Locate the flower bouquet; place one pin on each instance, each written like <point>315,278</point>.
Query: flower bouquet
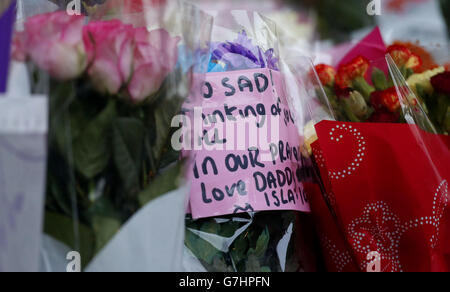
<point>355,96</point>
<point>246,201</point>
<point>380,190</point>
<point>429,82</point>
<point>113,90</point>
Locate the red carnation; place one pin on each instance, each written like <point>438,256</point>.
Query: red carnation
<point>348,72</point>
<point>403,57</point>
<point>326,73</point>
<point>387,99</point>
<point>441,83</point>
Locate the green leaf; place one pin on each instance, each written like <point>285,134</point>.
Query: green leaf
<point>229,229</point>
<point>92,149</point>
<point>162,184</point>
<point>349,113</point>
<point>379,79</point>
<point>261,244</point>
<point>446,124</point>
<point>57,199</point>
<point>360,84</point>
<point>62,96</point>
<point>239,250</point>
<point>128,138</point>
<point>72,233</point>
<point>104,228</point>
<point>443,102</point>
<point>164,113</point>
<point>210,227</point>
<point>202,249</point>
<point>220,266</point>
<point>253,264</point>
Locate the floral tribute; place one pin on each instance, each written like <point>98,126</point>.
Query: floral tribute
<point>357,96</point>
<point>247,241</point>
<point>380,195</point>
<point>110,112</point>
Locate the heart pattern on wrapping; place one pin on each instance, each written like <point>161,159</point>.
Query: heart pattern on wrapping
<point>379,229</point>
<point>338,134</point>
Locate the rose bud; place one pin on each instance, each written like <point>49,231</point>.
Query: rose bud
<point>326,74</point>
<point>441,83</point>
<point>109,47</point>
<point>155,56</point>
<point>54,43</point>
<point>355,106</point>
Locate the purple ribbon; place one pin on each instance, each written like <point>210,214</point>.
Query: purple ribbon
<point>6,29</point>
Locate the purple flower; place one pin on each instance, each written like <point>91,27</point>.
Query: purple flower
<point>271,60</point>
<point>241,54</point>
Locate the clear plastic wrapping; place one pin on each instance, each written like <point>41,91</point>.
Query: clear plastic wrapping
<point>249,229</point>
<point>115,81</point>
<point>23,154</point>
<point>379,192</point>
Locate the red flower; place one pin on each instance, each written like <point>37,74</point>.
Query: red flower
<point>343,92</point>
<point>384,116</point>
<point>441,83</point>
<point>326,73</point>
<point>387,99</point>
<point>348,72</point>
<point>403,57</point>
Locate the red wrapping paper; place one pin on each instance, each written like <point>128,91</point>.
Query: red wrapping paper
<point>385,190</point>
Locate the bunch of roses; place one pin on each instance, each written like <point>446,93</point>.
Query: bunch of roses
<point>354,99</point>
<point>116,57</point>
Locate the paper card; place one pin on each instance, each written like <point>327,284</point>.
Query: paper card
<point>248,146</point>
<point>23,148</point>
<point>7,18</point>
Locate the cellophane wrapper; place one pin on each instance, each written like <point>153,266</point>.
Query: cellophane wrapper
<point>23,154</point>
<point>379,190</point>
<point>114,182</point>
<point>231,233</point>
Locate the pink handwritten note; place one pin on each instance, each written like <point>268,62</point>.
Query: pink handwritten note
<point>246,156</point>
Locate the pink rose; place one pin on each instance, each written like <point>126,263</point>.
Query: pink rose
<point>109,47</point>
<point>155,56</point>
<point>54,42</point>
<point>122,57</point>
